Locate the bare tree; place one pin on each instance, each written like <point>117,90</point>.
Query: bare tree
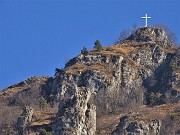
<point>170,34</point>
<point>124,34</point>
<point>134,28</point>
<point>66,59</point>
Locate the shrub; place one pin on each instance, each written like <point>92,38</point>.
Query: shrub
<point>97,45</point>
<point>152,98</point>
<point>170,34</point>
<point>57,70</point>
<point>51,100</point>
<point>125,33</point>
<point>43,103</point>
<point>172,116</point>
<point>174,67</point>
<point>84,51</point>
<point>44,132</point>
<point>109,49</point>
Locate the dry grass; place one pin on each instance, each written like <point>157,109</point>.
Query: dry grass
<point>114,50</point>
<point>107,124</point>
<point>25,93</point>
<point>9,114</point>
<point>43,117</point>
<point>148,113</point>
<point>32,82</point>
<point>78,69</point>
<point>13,90</point>
<point>124,49</point>
<point>104,52</point>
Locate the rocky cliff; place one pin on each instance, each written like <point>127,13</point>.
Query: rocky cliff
<point>132,87</point>
<point>118,78</point>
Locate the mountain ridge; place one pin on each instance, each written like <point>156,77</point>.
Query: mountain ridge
<point>120,81</point>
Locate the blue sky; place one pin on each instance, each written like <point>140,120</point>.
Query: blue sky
<point>36,36</point>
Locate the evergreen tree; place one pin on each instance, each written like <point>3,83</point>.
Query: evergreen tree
<point>84,51</point>
<point>97,45</point>
<point>152,98</point>
<point>57,70</point>
<point>43,103</point>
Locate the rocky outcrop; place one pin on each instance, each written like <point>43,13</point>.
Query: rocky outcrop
<point>173,94</point>
<point>141,70</point>
<point>24,93</point>
<point>81,93</point>
<point>133,125</point>
<point>152,35</point>
<point>115,79</point>
<point>25,120</point>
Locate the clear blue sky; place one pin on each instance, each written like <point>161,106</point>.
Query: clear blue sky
<point>36,36</point>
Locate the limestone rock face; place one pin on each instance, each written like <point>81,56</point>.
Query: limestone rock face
<point>93,92</point>
<point>24,120</point>
<point>129,124</point>
<point>113,80</point>
<point>136,81</point>
<point>171,80</point>
<point>150,34</point>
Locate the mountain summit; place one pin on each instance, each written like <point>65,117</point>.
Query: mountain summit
<point>132,87</point>
<point>151,34</point>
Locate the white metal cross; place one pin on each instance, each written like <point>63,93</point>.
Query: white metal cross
<point>146,17</point>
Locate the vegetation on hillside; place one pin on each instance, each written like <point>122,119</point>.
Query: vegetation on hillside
<point>84,51</point>
<point>97,45</point>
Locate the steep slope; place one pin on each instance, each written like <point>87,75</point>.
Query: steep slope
<point>18,101</point>
<point>132,87</point>
<point>116,79</point>
<point>162,119</point>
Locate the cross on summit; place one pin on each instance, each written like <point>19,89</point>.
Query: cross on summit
<point>146,17</point>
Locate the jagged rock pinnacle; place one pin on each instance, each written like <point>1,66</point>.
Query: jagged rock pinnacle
<point>151,34</point>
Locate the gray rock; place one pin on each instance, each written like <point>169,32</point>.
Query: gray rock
<point>151,34</point>
<point>99,84</point>
<point>24,120</point>
<point>131,125</point>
